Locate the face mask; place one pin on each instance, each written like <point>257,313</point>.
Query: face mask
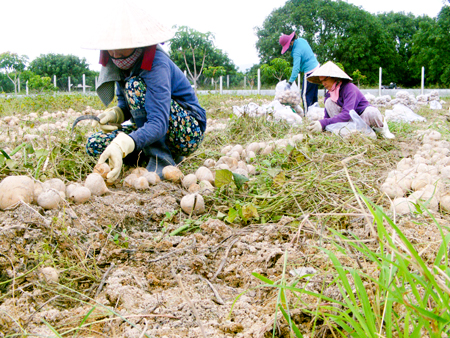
<point>128,61</point>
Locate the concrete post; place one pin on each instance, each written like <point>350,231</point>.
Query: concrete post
<point>54,81</point>
<point>221,88</point>
<point>259,81</point>
<point>380,81</point>
<point>84,83</point>
<point>423,80</point>
<point>68,83</point>
<point>26,87</point>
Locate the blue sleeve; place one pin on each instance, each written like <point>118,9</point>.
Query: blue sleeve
<point>297,62</point>
<point>157,105</point>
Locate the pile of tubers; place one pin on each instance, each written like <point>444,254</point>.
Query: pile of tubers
<point>423,179</point>
<point>50,194</point>
<point>290,97</point>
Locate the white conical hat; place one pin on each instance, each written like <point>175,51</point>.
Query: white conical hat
<point>124,25</point>
<point>328,69</point>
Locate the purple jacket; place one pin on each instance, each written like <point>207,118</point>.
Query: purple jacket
<point>350,97</point>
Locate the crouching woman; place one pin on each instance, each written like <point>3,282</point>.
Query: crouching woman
<point>167,121</point>
<point>343,96</point>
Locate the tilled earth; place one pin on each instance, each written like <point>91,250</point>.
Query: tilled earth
<point>126,276</point>
<point>111,268</point>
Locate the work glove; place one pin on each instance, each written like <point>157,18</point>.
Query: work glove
<point>315,127</point>
<point>120,147</point>
<point>288,86</point>
<point>110,115</point>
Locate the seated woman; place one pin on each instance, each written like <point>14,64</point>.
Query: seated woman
<point>341,97</point>
<point>167,121</point>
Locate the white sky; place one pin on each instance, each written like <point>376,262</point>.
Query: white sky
<point>35,27</point>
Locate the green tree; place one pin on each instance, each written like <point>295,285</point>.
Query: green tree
<point>214,72</point>
<point>401,29</point>
<point>431,49</point>
<point>358,76</point>
<point>12,65</point>
<point>192,47</point>
<point>63,66</point>
<point>194,52</point>
<point>277,68</point>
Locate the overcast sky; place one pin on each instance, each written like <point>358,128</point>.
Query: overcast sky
<point>35,27</point>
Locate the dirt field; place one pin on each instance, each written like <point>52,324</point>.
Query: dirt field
<point>121,274</point>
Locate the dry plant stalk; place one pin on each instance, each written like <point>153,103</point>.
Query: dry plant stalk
<point>188,300</point>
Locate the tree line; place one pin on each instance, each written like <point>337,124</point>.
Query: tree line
<point>400,43</point>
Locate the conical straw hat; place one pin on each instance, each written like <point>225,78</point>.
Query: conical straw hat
<point>122,25</point>
<point>329,69</point>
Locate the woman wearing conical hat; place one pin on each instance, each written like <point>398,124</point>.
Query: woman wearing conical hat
<point>343,96</point>
<point>167,121</point>
<point>304,62</point>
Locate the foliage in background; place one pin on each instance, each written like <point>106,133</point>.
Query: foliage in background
<point>357,76</point>
<point>12,65</point>
<point>63,66</point>
<point>277,68</point>
<point>193,52</point>
<point>431,49</point>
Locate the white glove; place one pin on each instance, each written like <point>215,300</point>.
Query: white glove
<point>120,147</point>
<point>110,115</point>
<point>315,127</point>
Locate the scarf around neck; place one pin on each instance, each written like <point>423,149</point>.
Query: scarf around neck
<point>334,91</point>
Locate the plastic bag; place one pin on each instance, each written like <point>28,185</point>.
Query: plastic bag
<point>315,112</point>
<point>402,113</point>
<point>356,125</point>
<point>290,96</point>
<point>435,105</point>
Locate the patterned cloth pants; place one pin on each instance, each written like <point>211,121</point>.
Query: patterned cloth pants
<point>183,136</point>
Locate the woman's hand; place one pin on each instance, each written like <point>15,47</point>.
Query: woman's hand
<point>110,115</point>
<point>120,147</point>
<point>315,127</point>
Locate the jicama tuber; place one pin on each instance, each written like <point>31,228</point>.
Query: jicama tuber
<point>204,174</point>
<point>231,162</point>
<point>193,204</point>
<point>206,188</point>
<point>57,184</point>
<point>103,169</point>
<point>129,180</point>
<point>209,163</point>
<point>140,183</point>
<point>95,183</point>
<point>172,173</point>
<point>254,147</point>
<point>152,178</point>
<point>403,205</point>
<point>49,199</point>
<point>225,150</point>
<point>79,194</point>
<point>194,188</point>
<point>139,171</point>
<point>189,180</point>
<point>445,202</point>
<point>49,274</point>
<point>14,189</point>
